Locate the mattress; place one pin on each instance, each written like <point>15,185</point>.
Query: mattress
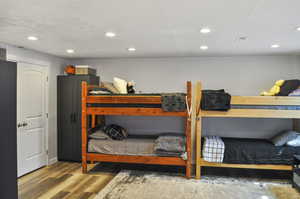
<point>129,146</point>
<point>257,151</point>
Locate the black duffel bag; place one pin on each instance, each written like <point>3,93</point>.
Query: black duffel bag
<point>215,100</point>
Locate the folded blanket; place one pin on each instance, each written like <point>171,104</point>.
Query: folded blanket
<point>213,149</point>
<point>172,102</point>
<point>170,143</point>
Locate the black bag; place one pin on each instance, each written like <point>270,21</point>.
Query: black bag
<point>215,100</point>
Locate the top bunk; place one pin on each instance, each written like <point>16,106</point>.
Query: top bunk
<point>259,107</point>
<point>148,104</point>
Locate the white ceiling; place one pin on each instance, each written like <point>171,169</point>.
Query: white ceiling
<point>157,28</point>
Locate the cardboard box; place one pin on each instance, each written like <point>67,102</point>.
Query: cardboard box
<point>84,70</point>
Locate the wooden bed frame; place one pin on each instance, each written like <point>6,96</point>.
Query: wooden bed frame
<point>133,111</point>
<point>244,113</point>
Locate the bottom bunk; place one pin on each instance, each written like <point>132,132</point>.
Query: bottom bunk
<point>253,154</point>
<point>166,149</point>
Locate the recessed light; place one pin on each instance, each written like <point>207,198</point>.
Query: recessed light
<point>131,49</point>
<point>203,47</point>
<point>275,46</point>
<point>264,197</point>
<point>32,38</point>
<point>70,51</point>
<point>298,29</point>
<point>205,30</point>
<point>110,34</point>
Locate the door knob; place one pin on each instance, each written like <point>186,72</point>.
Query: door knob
<point>19,125</point>
<point>24,124</point>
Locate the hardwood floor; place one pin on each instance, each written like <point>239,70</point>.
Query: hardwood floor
<point>63,180</point>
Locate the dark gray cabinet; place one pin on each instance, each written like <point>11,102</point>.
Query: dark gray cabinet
<point>69,115</point>
<point>8,130</point>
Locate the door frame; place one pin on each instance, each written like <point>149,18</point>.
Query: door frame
<point>46,66</point>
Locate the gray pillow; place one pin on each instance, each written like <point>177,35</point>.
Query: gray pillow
<point>284,137</point>
<point>295,142</point>
<point>99,135</point>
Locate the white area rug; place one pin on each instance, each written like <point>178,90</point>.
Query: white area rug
<point>141,185</point>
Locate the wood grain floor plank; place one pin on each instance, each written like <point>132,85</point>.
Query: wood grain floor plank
<point>44,186</point>
<point>82,188</point>
<point>60,195</point>
<point>62,180</point>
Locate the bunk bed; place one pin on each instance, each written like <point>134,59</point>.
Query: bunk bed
<point>249,107</point>
<point>130,105</point>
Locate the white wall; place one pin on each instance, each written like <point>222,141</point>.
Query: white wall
<point>55,65</point>
<point>240,75</point>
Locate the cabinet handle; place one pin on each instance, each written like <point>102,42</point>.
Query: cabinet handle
<point>75,117</point>
<point>71,118</point>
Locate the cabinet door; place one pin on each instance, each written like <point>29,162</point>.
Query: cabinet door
<point>65,118</point>
<point>77,112</point>
<point>8,130</point>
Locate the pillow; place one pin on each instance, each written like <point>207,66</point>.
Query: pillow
<point>109,86</point>
<point>171,142</point>
<point>295,142</point>
<point>116,132</point>
<point>121,85</point>
<point>99,135</point>
<point>284,137</point>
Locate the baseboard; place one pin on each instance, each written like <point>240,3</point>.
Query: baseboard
<point>52,160</point>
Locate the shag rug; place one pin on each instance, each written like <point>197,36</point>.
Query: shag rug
<point>145,185</point>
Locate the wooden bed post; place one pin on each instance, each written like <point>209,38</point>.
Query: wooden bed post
<point>93,121</point>
<point>198,128</point>
<point>84,126</point>
<point>188,130</point>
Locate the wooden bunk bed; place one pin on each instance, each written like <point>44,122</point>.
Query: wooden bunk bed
<point>91,110</point>
<point>245,113</point>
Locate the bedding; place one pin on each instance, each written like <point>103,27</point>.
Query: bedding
<point>115,132</point>
<point>283,137</point>
<point>257,151</point>
<point>295,142</point>
<point>213,149</point>
<point>120,84</point>
<point>129,146</point>
<point>100,135</point>
<point>170,143</point>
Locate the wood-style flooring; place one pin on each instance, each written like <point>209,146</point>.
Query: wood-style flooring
<point>63,180</point>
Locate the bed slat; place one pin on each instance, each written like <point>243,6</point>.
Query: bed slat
<point>265,100</point>
<point>253,113</point>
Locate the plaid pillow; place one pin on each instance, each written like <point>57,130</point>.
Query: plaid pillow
<point>116,132</point>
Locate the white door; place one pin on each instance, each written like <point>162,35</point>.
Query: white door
<point>32,85</point>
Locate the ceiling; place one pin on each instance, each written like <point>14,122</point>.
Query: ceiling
<point>156,28</point>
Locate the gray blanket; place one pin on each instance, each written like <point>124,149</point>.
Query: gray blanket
<point>173,102</point>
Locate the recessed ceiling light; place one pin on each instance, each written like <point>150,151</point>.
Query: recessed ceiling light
<point>264,197</point>
<point>110,34</point>
<point>298,29</point>
<point>275,46</point>
<point>203,47</point>
<point>32,38</point>
<point>131,49</point>
<point>70,51</point>
<point>205,30</point>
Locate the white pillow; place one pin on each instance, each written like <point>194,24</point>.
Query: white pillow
<point>121,85</point>
<point>295,142</point>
